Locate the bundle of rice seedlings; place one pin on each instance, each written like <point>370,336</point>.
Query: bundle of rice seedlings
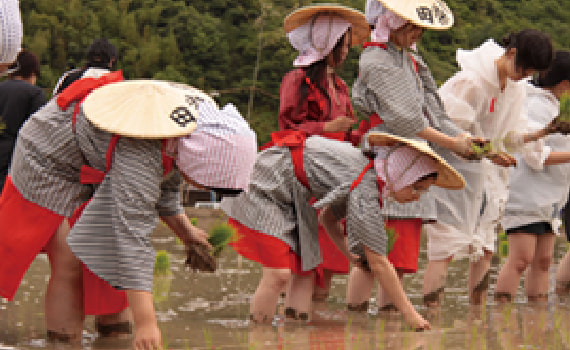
<point>220,236</point>
<point>162,263</point>
<point>199,258</point>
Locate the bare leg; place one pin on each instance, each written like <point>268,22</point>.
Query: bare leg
<point>563,276</point>
<point>536,281</point>
<point>64,294</point>
<point>264,301</point>
<point>115,324</point>
<point>435,277</point>
<point>522,248</point>
<point>384,303</point>
<point>147,336</point>
<point>359,288</point>
<point>298,298</point>
<point>478,280</point>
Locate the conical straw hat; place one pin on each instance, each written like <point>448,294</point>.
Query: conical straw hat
<point>429,14</point>
<point>360,29</point>
<point>148,109</point>
<point>447,177</point>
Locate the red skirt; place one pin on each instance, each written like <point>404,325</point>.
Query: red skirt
<point>406,250</point>
<point>30,227</point>
<point>333,259</point>
<point>272,252</point>
<point>26,228</point>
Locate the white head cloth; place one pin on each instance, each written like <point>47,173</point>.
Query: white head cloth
<point>10,31</point>
<point>400,166</point>
<point>315,39</point>
<point>383,20</point>
<point>222,150</point>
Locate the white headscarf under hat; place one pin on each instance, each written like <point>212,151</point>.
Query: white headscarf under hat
<point>383,20</point>
<point>315,39</point>
<point>400,166</point>
<point>10,31</point>
<point>222,150</point>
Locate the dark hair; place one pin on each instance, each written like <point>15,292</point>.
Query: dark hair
<point>559,70</point>
<point>27,63</point>
<point>534,49</point>
<point>101,54</point>
<point>316,72</point>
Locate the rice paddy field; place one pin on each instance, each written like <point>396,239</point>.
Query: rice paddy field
<point>210,311</point>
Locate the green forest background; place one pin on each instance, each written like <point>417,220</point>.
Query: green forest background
<point>237,49</point>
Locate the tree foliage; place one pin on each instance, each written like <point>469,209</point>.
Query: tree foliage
<point>216,45</point>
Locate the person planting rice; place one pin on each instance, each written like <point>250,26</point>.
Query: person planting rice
<point>314,99</point>
<point>277,226</point>
<point>538,188</point>
<point>486,98</point>
<point>396,92</point>
<point>132,141</point>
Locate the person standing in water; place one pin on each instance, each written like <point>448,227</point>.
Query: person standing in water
<point>487,98</point>
<point>315,100</point>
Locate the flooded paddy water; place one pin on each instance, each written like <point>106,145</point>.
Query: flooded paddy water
<point>210,311</point>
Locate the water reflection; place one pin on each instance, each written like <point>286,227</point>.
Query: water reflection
<point>210,311</point>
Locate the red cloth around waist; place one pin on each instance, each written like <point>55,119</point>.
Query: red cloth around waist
<point>26,228</point>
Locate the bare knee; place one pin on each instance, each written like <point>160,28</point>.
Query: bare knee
<point>542,263</point>
<point>63,263</point>
<point>521,263</point>
<point>277,279</point>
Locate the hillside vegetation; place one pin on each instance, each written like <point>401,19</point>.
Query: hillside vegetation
<point>238,48</point>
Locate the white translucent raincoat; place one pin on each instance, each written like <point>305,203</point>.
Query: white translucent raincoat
<point>538,192</point>
<point>472,97</point>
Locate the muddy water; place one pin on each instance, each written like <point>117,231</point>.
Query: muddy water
<point>209,311</point>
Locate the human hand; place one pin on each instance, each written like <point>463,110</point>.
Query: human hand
<point>462,145</point>
<point>197,235</point>
<point>416,321</point>
<point>557,126</point>
<point>340,124</point>
<point>147,337</point>
<point>502,159</point>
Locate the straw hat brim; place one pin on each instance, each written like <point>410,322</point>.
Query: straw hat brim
<point>429,14</point>
<point>447,176</point>
<point>148,109</point>
<point>360,29</point>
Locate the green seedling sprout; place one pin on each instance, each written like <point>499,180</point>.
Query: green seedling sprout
<point>564,115</point>
<point>220,236</point>
<point>392,235</point>
<point>162,263</point>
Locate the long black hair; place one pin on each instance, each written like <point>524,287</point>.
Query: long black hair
<point>534,49</point>
<point>559,70</point>
<point>316,72</point>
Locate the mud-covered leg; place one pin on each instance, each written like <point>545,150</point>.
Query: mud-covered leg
<point>479,278</point>
<point>435,278</point>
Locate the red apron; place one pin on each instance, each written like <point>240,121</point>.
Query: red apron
<point>271,251</point>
